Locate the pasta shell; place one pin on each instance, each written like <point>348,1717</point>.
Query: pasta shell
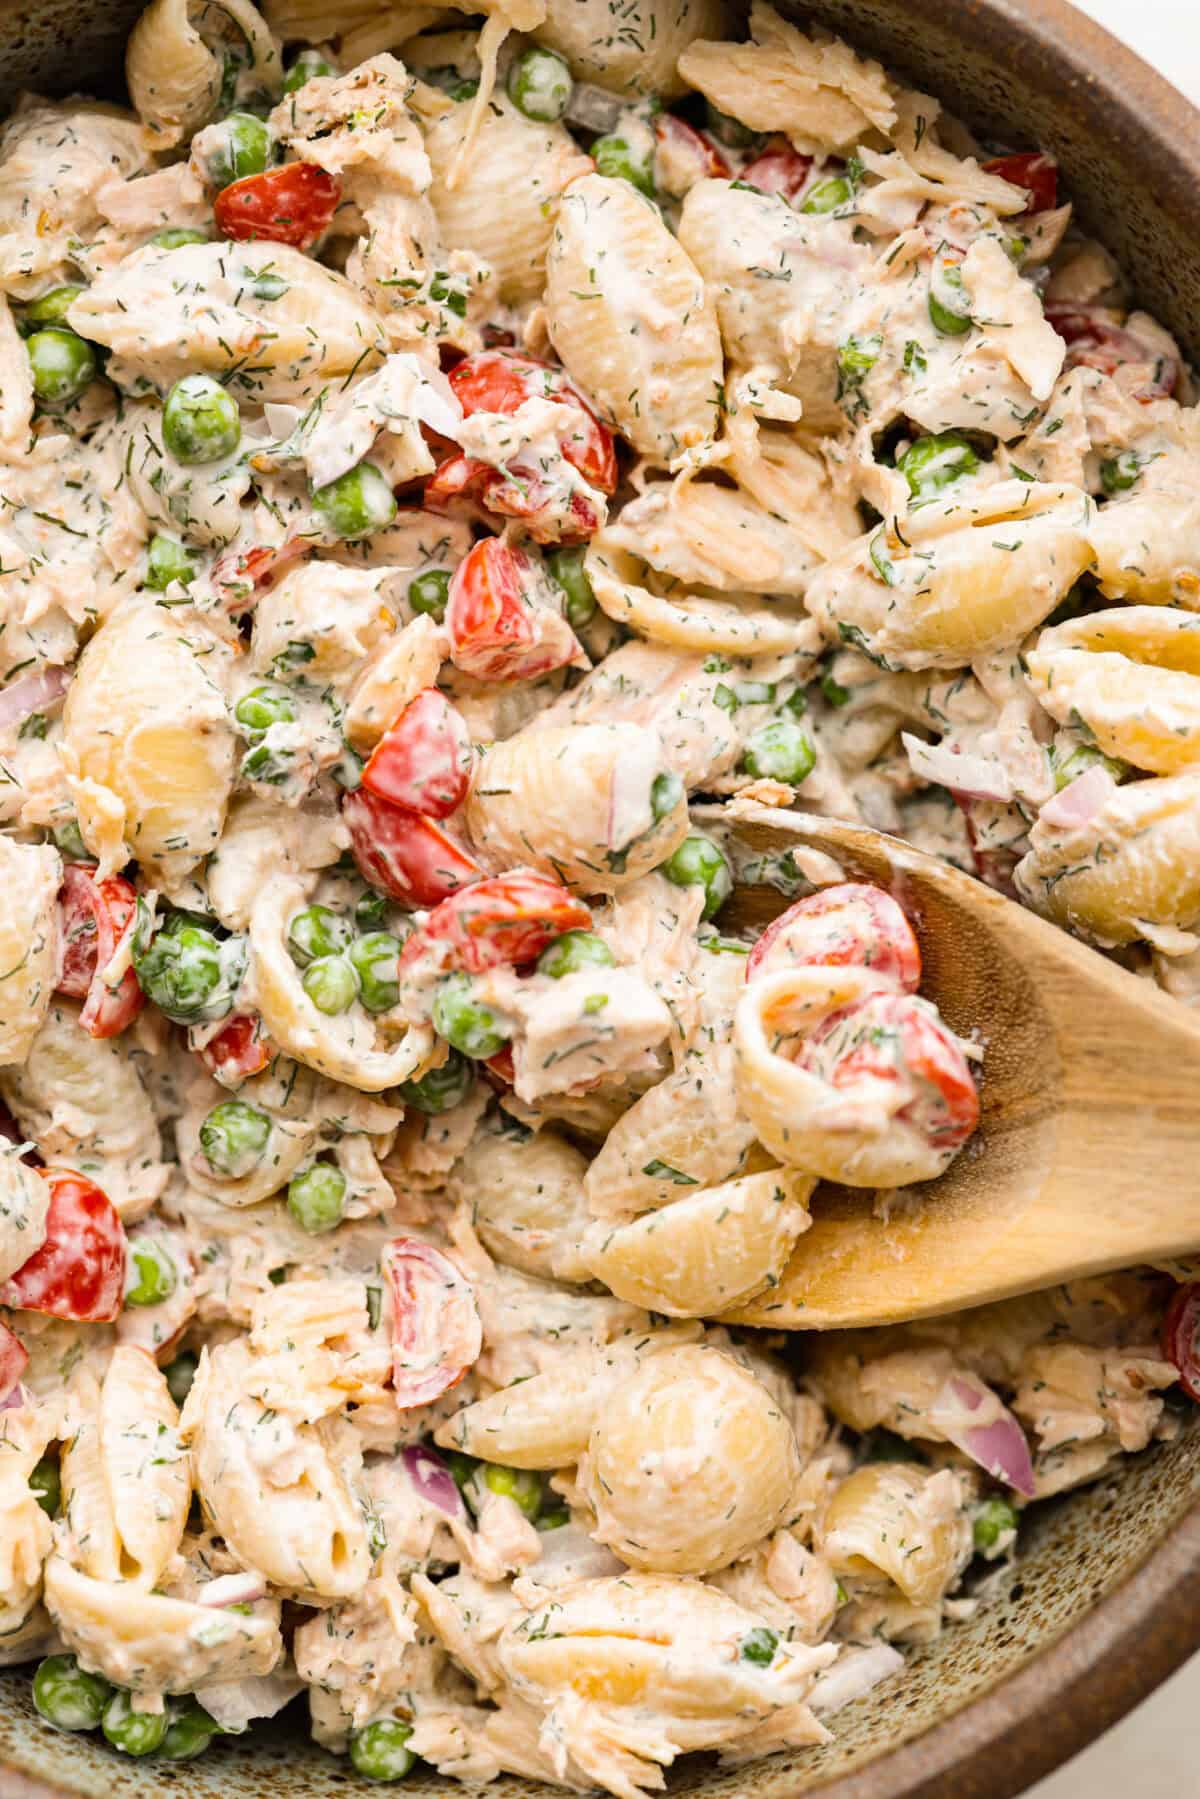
<point>174,80</point>
<point>635,50</point>
<point>884,1521</point>
<point>1132,676</point>
<point>526,1200</point>
<point>1148,549</point>
<point>726,626</point>
<point>628,314</point>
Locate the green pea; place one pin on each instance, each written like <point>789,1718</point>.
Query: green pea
<point>949,302</point>
<point>539,84</point>
<point>316,932</point>
<point>234,1137</point>
<point>553,1520</point>
<point>759,1646</point>
<point>517,1484</point>
<point>466,1024</point>
<point>666,791</point>
<point>699,862</point>
<point>263,707</point>
<point>201,422</point>
<point>994,1519</point>
<point>177,237</point>
<point>133,1733</point>
<point>1118,473</point>
<point>375,958</point>
<point>780,751</point>
<point>429,592</point>
<point>307,67</point>
<point>1069,765</point>
<point>46,1483</point>
<point>168,560</point>
<point>50,308</point>
<point>441,1089</point>
<point>934,463</point>
<point>68,838</point>
<point>151,1276</point>
<point>572,951</point>
<point>63,365</point>
<point>316,1197</point>
<point>242,147</point>
<point>331,984</point>
<point>189,1731</point>
<point>615,156</point>
<point>380,1751</point>
<point>191,974</point>
<point>568,571</point>
<point>180,1374</point>
<point>357,503</point>
<point>828,195</point>
<point>68,1697</point>
<point>727,130</point>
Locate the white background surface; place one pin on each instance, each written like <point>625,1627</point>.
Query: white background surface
<point>1154,1753</point>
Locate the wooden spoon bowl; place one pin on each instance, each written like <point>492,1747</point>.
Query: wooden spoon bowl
<point>1088,1153</point>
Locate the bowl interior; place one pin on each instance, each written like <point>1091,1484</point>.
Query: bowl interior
<point>1032,73</point>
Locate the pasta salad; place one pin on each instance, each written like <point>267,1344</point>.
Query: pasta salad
<point>453,473</point>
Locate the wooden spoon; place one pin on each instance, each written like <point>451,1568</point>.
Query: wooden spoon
<point>1088,1152</point>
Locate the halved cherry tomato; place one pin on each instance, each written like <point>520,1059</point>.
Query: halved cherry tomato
<point>502,380</point>
<point>408,857</point>
<point>779,170</point>
<point>1181,1328</point>
<point>1094,342</point>
<point>497,631</point>
<point>240,576</point>
<point>79,1272</point>
<point>92,916</point>
<point>852,924</point>
<point>1033,170</point>
<point>552,511</point>
<point>239,1050</point>
<point>994,862</point>
<point>685,156</point>
<point>293,205</point>
<point>505,920</point>
<point>14,1358</point>
<point>501,1068</point>
<point>423,760</point>
<point>895,1034</point>
<point>436,1332</point>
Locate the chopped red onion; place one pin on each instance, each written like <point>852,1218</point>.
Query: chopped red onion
<point>1080,800</point>
<point>433,1480</point>
<point>996,1441</point>
<point>977,777</point>
<point>33,693</point>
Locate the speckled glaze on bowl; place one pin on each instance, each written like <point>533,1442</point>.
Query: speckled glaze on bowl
<point>1105,1600</point>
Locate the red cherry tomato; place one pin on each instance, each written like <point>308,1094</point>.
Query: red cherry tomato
<point>497,632</point>
<point>79,1272</point>
<point>851,924</point>
<point>685,156</point>
<point>505,920</point>
<point>1180,1330</point>
<point>897,1035</point>
<point>238,1050</point>
<point>92,917</point>
<point>408,857</point>
<point>1094,342</point>
<point>501,1069</point>
<point>502,380</point>
<point>13,1360</point>
<point>240,576</point>
<point>779,170</point>
<point>423,761</point>
<point>551,511</point>
<point>1036,172</point>
<point>436,1332</point>
<point>293,205</point>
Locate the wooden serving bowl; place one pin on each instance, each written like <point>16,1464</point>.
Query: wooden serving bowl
<point>1104,1602</point>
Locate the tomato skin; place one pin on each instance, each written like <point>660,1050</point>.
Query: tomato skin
<point>423,760</point>
<point>404,855</point>
<point>436,1331</point>
<point>79,1272</point>
<point>240,576</point>
<point>779,170</point>
<point>1181,1325</point>
<point>14,1358</point>
<point>1033,170</point>
<point>504,920</point>
<point>93,915</point>
<point>502,380</point>
<point>522,493</point>
<point>293,205</point>
<point>496,631</point>
<point>1093,341</point>
<point>849,925</point>
<point>238,1051</point>
<point>927,1049</point>
<point>677,138</point>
